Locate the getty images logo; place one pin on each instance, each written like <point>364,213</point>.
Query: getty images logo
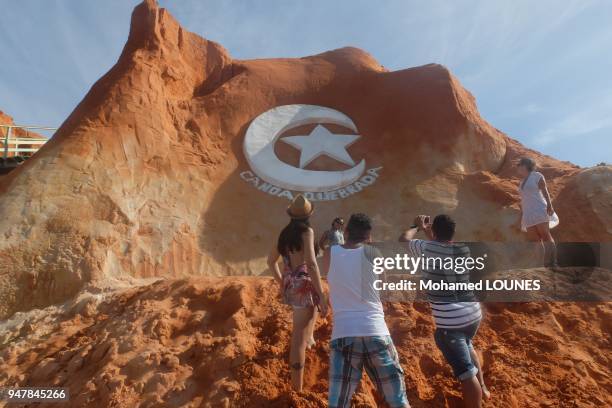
<point>273,176</point>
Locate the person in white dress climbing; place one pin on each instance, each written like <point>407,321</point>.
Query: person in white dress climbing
<point>538,216</point>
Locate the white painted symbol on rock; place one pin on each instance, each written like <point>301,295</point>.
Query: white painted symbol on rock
<point>266,129</point>
<point>322,141</point>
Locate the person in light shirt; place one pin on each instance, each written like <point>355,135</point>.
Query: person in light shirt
<point>333,236</point>
<point>538,216</point>
<point>360,337</point>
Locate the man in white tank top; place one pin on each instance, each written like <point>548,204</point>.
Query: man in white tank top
<point>360,337</point>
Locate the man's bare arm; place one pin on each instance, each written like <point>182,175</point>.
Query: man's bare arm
<point>408,234</point>
<point>323,241</point>
<point>326,262</point>
<point>421,222</point>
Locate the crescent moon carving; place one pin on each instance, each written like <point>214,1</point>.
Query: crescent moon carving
<point>266,129</point>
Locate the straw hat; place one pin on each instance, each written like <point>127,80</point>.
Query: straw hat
<point>300,207</point>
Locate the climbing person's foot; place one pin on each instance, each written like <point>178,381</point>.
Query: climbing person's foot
<point>486,394</point>
<point>311,343</point>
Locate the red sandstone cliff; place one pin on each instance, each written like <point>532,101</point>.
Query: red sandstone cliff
<point>143,178</point>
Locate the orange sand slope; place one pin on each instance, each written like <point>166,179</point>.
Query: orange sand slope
<point>143,178</point>
<point>224,342</point>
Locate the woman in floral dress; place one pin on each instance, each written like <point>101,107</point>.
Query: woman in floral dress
<point>300,282</point>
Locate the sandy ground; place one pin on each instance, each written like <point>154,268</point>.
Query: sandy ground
<point>203,342</point>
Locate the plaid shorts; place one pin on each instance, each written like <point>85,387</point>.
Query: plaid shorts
<point>348,357</point>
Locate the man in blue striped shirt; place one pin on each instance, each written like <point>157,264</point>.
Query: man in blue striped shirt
<point>456,313</point>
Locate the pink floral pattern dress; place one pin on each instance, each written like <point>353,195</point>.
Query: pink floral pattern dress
<point>298,290</point>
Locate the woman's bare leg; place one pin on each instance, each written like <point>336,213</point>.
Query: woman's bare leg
<point>534,236</point>
<point>302,318</point>
<point>472,393</point>
<point>550,248</point>
<point>485,392</point>
<point>310,342</point>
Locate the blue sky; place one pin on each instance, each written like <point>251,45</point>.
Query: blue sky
<point>540,70</point>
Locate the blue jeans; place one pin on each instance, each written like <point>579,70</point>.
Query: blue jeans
<point>455,345</point>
